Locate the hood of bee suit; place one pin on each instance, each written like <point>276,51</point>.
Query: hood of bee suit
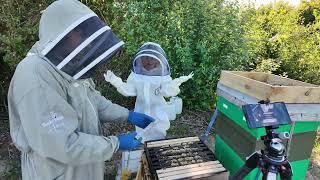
<point>74,39</point>
<point>151,60</point>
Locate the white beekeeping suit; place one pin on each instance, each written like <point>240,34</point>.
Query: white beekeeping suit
<point>56,114</point>
<point>150,82</point>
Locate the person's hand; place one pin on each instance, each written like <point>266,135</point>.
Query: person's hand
<point>128,141</point>
<point>182,79</point>
<point>108,76</point>
<point>112,78</point>
<point>139,119</point>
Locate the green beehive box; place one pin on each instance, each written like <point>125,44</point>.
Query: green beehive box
<point>235,141</point>
<point>230,160</point>
<point>244,144</point>
<point>235,113</point>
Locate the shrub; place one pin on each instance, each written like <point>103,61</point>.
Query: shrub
<point>284,40</point>
<point>200,36</point>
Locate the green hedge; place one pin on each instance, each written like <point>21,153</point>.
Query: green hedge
<point>201,36</point>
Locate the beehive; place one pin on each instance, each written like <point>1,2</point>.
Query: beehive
<point>233,135</point>
<point>182,158</point>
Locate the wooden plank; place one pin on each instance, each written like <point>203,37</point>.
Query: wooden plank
<point>183,171</point>
<point>190,174</point>
<point>195,169</point>
<point>145,168</point>
<point>173,141</point>
<point>161,171</point>
<point>295,94</point>
<point>283,81</point>
<point>236,97</point>
<point>169,143</point>
<point>139,173</point>
<point>258,76</point>
<point>272,79</point>
<point>216,176</point>
<point>279,90</point>
<point>246,85</point>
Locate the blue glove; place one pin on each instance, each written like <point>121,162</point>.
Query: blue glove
<point>128,141</point>
<point>139,119</point>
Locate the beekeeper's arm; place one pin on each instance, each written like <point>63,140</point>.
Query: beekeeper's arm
<point>107,111</point>
<point>50,125</point>
<point>171,88</point>
<point>125,89</point>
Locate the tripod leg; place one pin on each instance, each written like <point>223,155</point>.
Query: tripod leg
<point>250,164</point>
<point>270,176</point>
<point>286,171</point>
<point>258,174</point>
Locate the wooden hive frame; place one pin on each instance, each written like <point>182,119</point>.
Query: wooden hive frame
<point>143,170</point>
<point>211,170</point>
<point>204,170</point>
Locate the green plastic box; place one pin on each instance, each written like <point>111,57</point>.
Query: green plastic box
<point>244,144</point>
<point>235,113</point>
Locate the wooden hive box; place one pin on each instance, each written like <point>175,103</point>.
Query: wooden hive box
<point>267,86</point>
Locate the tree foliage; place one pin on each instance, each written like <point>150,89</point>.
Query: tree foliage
<point>201,36</point>
<point>283,39</point>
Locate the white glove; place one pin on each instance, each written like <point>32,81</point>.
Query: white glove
<point>123,88</point>
<point>172,88</point>
<point>113,79</point>
<point>182,79</point>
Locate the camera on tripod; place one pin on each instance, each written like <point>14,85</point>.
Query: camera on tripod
<point>272,160</point>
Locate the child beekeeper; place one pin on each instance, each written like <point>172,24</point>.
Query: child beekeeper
<point>150,82</point>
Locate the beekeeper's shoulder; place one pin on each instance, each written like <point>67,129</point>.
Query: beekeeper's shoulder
<point>31,73</point>
<point>30,70</point>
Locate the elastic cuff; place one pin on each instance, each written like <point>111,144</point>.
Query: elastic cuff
<point>116,141</point>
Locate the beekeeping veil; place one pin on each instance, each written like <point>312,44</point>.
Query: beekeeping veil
<point>151,60</point>
<point>75,39</point>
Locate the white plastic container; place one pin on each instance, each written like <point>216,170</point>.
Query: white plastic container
<point>174,107</point>
<point>130,160</point>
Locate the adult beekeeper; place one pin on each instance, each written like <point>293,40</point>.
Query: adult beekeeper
<point>55,112</point>
<point>150,81</point>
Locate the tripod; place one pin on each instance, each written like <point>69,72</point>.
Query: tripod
<point>272,160</point>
